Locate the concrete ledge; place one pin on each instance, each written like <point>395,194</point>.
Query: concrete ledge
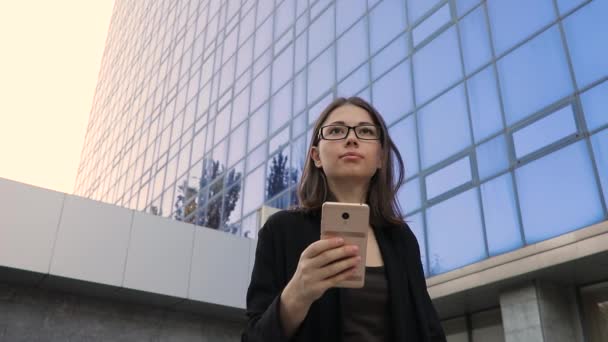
<point>574,258</point>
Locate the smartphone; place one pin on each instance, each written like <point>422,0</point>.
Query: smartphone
<point>351,222</point>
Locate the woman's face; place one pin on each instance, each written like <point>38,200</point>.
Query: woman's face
<point>350,157</point>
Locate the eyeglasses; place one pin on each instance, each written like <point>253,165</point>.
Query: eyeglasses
<point>339,132</point>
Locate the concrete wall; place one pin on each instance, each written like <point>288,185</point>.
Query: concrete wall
<point>35,314</point>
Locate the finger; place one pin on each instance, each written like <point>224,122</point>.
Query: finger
<point>337,267</point>
<point>333,255</point>
<point>338,278</point>
<point>321,246</point>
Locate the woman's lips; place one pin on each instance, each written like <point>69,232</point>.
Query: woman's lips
<point>351,156</point>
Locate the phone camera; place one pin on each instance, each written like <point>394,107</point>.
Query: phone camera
<point>345,216</point>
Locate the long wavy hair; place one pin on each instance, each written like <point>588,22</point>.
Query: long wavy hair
<point>313,189</point>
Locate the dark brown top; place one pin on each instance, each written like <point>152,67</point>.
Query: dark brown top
<point>366,310</point>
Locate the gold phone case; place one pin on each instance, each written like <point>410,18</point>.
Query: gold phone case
<point>349,221</point>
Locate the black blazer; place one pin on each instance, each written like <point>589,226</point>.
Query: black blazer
<point>284,237</point>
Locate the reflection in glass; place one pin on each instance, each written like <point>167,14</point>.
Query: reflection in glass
<point>448,178</point>
<point>586,31</point>
<point>440,57</point>
<point>254,190</point>
<point>320,75</point>
<point>561,182</point>
<point>352,49</point>
<point>416,224</point>
<point>394,53</point>
<point>500,212</point>
<point>492,157</point>
<point>443,127</point>
<point>455,233</point>
<point>392,94</point>
<point>386,21</point>
<point>280,108</point>
<point>409,195</point>
<point>534,76</point>
<point>484,104</point>
<point>600,152</point>
<point>510,24</point>
<point>475,40</point>
<point>554,127</point>
<point>321,33</point>
<point>349,12</point>
<point>404,137</point>
<point>595,104</point>
<point>431,24</point>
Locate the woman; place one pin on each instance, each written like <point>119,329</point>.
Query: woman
<point>292,296</point>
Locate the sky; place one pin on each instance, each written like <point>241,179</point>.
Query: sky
<point>49,62</point>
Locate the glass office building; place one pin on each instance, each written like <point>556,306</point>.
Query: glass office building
<point>203,111</point>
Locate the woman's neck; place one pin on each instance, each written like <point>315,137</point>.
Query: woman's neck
<point>348,192</point>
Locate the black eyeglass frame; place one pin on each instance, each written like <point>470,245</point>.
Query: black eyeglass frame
<point>379,128</point>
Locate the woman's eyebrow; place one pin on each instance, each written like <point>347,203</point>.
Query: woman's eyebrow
<point>343,123</point>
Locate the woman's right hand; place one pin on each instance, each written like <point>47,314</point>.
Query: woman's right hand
<point>322,265</point>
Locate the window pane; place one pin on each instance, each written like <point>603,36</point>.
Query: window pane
<point>475,40</point>
<point>443,127</point>
<point>260,89</point>
<point>279,140</point>
<point>462,6</point>
<point>256,157</point>
<point>404,137</point>
<point>254,190</point>
<point>416,224</point>
<point>320,75</point>
<point>298,153</point>
<point>409,195</point>
<point>394,53</point>
<point>263,37</point>
<point>439,57</point>
<point>321,33</point>
<point>237,144</point>
<point>511,24</point>
<point>257,127</point>
<point>350,11</point>
<point>417,8</point>
<point>534,76</point>
<point>352,49</point>
<point>282,68</point>
<point>455,233</point>
<point>566,5</point>
<point>392,94</point>
<point>492,157</point>
<point>299,92</point>
<point>280,108</point>
<point>387,20</point>
<point>300,59</point>
<point>240,108</point>
<point>595,106</point>
<point>586,32</point>
<point>284,17</point>
<point>222,124</point>
<point>235,214</point>
<point>500,212</point>
<point>484,104</point>
<point>354,82</point>
<point>448,178</point>
<point>563,183</point>
<point>600,151</point>
<point>553,127</point>
<point>431,24</point>
<point>315,111</point>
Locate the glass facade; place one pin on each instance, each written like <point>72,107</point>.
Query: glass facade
<point>203,111</point>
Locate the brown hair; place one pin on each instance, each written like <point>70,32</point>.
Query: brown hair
<point>313,189</point>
